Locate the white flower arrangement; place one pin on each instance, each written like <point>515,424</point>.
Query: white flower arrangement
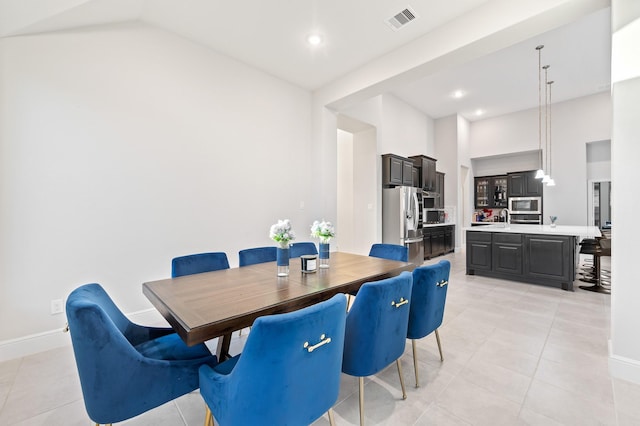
<point>282,233</point>
<point>323,230</point>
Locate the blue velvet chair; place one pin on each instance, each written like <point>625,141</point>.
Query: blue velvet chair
<point>427,304</point>
<point>376,329</point>
<point>198,263</point>
<point>257,255</point>
<point>126,369</point>
<point>298,249</point>
<point>288,372</point>
<point>390,251</point>
<point>386,251</point>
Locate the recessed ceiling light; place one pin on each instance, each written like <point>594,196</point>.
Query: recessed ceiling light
<point>314,40</point>
<point>458,94</point>
<point>479,112</point>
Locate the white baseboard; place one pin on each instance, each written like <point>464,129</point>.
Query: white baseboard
<point>40,342</point>
<point>624,368</point>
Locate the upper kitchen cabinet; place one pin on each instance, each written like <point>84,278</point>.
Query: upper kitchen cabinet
<point>439,201</point>
<point>491,192</point>
<point>427,168</point>
<point>396,171</point>
<point>524,184</point>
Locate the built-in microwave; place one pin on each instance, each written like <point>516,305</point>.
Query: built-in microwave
<point>434,216</point>
<point>525,205</point>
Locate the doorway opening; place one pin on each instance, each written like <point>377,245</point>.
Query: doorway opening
<point>357,184</point>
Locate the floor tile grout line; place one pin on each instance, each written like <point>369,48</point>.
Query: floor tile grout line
<point>533,375</point>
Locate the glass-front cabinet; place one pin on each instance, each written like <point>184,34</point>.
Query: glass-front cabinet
<point>482,192</point>
<point>491,192</point>
<point>499,191</point>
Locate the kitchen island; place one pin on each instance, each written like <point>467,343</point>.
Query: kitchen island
<point>538,254</point>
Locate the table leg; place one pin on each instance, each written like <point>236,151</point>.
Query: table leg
<point>223,347</point>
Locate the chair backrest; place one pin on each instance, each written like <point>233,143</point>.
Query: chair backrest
<point>390,251</point>
<point>298,249</point>
<point>376,329</point>
<point>288,372</point>
<point>198,263</point>
<point>257,255</point>
<point>118,381</point>
<point>428,298</point>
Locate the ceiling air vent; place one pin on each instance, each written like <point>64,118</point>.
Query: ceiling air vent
<point>402,18</point>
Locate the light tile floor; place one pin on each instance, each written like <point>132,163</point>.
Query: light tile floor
<point>515,354</point>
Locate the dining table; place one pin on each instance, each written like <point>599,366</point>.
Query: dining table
<point>209,305</point>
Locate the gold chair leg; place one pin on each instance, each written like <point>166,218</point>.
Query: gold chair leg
<point>332,422</point>
<point>415,360</point>
<point>439,345</point>
<point>208,418</point>
<point>349,300</point>
<point>404,393</point>
<point>361,382</point>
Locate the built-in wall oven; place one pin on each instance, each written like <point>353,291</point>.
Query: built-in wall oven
<point>525,210</point>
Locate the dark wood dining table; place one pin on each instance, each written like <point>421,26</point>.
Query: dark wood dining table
<point>204,306</point>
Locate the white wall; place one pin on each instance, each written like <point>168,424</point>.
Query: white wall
<point>399,129</point>
<point>405,131</point>
<point>122,147</point>
<point>575,123</point>
<point>503,164</point>
<point>365,159</point>
<point>446,152</point>
<point>357,190</point>
<point>599,161</point>
<point>345,190</point>
<point>625,151</point>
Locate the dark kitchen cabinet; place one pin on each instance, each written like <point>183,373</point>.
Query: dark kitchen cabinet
<point>482,192</point>
<point>536,258</point>
<point>449,239</point>
<point>396,171</point>
<point>415,174</point>
<point>438,240</point>
<point>549,257</point>
<point>507,253</point>
<point>426,238</point>
<point>427,167</point>
<point>439,199</point>
<point>524,184</point>
<point>491,192</point>
<point>478,251</point>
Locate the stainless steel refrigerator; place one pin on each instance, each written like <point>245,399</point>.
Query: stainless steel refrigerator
<point>401,220</point>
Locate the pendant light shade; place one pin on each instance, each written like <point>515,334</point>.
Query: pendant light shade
<point>540,172</point>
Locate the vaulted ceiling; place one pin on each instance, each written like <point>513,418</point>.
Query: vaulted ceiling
<point>271,36</point>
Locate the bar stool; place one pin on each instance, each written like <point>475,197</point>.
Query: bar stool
<point>597,248</point>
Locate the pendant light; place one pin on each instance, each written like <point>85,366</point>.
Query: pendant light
<point>550,182</point>
<point>540,171</point>
<point>547,176</point>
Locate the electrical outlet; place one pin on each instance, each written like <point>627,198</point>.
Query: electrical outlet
<point>56,306</point>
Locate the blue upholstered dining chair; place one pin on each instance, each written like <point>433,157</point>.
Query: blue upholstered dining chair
<point>386,251</point>
<point>390,251</point>
<point>257,255</point>
<point>299,249</point>
<point>428,297</point>
<point>126,369</point>
<point>375,335</point>
<point>288,372</point>
<point>198,263</point>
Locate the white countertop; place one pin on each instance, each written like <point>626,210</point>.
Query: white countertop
<point>577,231</point>
<point>432,225</point>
